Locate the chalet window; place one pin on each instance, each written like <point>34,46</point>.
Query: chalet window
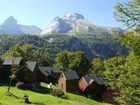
<point>62,76</point>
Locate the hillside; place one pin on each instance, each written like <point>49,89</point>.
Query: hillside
<point>37,98</point>
<point>94,46</point>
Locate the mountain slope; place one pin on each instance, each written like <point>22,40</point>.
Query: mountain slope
<point>11,27</point>
<point>75,23</point>
<point>94,46</point>
<point>30,29</point>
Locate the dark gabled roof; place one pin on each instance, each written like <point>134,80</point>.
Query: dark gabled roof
<point>55,70</point>
<point>48,70</point>
<point>91,78</point>
<point>31,65</point>
<point>43,71</point>
<point>12,60</point>
<point>70,75</point>
<point>100,80</point>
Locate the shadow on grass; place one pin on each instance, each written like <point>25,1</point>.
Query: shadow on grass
<point>11,94</point>
<point>42,90</point>
<point>6,84</point>
<point>38,103</point>
<point>34,103</point>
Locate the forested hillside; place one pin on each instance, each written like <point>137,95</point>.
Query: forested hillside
<point>94,46</point>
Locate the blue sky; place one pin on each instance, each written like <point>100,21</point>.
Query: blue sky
<point>42,12</point>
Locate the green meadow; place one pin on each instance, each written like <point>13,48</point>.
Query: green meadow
<point>38,97</point>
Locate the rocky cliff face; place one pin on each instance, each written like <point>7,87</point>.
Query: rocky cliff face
<point>75,23</point>
<point>11,27</point>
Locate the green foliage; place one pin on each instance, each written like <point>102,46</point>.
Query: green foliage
<point>97,67</point>
<point>122,73</point>
<point>59,93</point>
<point>102,45</point>
<point>130,82</point>
<point>17,50</point>
<point>14,71</point>
<point>132,41</point>
<point>129,13</point>
<point>79,62</point>
<point>27,52</point>
<point>9,41</point>
<point>114,70</point>
<point>43,60</point>
<point>72,61</point>
<point>62,60</point>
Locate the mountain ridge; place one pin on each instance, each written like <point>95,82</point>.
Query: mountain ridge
<point>11,27</point>
<point>69,24</point>
<point>75,23</point>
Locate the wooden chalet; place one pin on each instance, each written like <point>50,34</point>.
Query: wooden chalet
<point>109,95</point>
<point>92,86</point>
<point>0,69</point>
<point>49,74</point>
<point>6,72</point>
<point>68,82</point>
<point>27,71</point>
<point>28,74</point>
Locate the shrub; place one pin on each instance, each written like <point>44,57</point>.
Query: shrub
<point>59,93</point>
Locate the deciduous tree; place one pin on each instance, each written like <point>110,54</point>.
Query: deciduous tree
<point>129,14</point>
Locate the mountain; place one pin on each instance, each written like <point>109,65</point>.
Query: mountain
<point>75,23</point>
<point>71,24</point>
<point>71,32</point>
<point>11,27</point>
<point>93,46</point>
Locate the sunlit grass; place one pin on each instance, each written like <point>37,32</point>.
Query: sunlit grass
<point>39,98</point>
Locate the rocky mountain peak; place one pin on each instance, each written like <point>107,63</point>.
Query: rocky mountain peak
<point>75,23</point>
<point>10,21</point>
<point>70,23</point>
<point>73,16</point>
<point>11,27</point>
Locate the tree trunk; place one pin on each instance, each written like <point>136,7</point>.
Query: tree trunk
<point>9,85</point>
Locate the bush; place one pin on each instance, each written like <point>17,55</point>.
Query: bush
<point>64,96</point>
<point>20,85</point>
<point>59,93</point>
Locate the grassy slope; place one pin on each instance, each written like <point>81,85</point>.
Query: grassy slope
<point>41,99</point>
